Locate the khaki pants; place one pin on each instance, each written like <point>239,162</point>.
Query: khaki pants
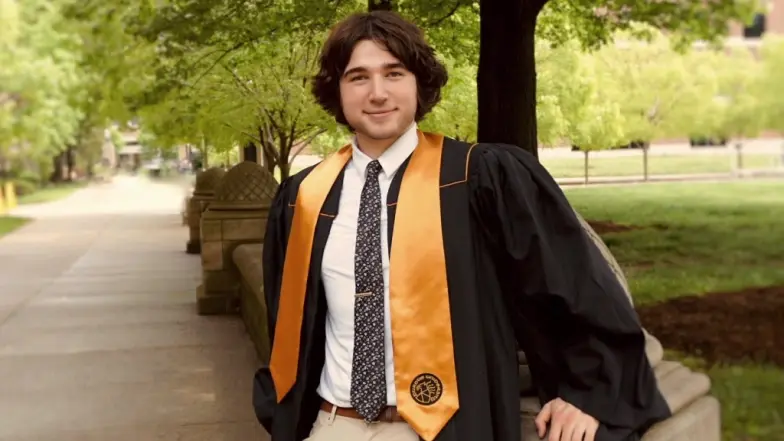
<point>331,427</point>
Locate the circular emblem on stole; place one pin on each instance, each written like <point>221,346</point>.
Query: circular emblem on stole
<point>426,389</point>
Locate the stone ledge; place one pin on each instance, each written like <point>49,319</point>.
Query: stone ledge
<point>682,387</point>
<point>700,421</point>
<point>653,349</point>
<point>213,305</point>
<point>247,258</point>
<point>253,308</point>
<point>696,415</point>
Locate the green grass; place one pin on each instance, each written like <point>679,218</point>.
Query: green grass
<point>50,193</point>
<point>704,237</point>
<point>10,223</point>
<point>751,399</point>
<point>657,164</point>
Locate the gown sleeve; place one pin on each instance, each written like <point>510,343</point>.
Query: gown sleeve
<point>274,253</point>
<point>582,338</point>
<point>273,256</point>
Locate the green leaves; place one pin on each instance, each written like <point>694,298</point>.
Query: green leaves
<point>770,85</point>
<point>456,114</point>
<point>39,79</point>
<point>69,68</point>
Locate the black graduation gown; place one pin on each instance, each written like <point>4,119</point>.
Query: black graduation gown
<point>521,273</point>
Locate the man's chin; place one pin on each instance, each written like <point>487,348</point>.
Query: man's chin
<point>382,133</point>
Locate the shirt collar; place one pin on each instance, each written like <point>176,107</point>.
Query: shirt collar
<point>393,157</point>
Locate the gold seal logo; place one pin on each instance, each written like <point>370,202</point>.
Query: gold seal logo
<point>426,389</point>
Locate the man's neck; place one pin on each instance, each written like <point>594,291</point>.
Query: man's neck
<point>374,148</point>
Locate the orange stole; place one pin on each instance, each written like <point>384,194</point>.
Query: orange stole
<point>425,378</point>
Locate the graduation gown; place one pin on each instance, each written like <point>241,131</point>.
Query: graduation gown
<point>521,273</point>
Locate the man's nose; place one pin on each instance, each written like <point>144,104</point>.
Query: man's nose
<point>378,89</point>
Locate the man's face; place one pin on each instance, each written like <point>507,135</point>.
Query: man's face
<point>378,94</point>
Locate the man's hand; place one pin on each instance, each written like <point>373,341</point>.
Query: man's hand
<point>567,423</point>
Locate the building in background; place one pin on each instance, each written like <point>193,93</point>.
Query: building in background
<point>769,21</point>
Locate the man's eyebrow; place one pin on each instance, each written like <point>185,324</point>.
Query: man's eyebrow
<point>358,69</point>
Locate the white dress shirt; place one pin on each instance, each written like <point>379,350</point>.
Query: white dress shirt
<point>337,272</point>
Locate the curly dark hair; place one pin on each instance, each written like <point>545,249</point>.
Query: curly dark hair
<point>401,38</point>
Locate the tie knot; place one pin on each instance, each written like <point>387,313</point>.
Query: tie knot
<point>373,169</point>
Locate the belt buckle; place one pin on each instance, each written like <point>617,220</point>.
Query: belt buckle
<point>387,413</point>
<point>378,418</point>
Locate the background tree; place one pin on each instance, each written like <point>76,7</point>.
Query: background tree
<point>651,83</point>
<point>597,121</point>
<point>456,115</point>
<point>38,84</point>
<point>743,113</point>
<point>772,55</point>
<point>561,90</point>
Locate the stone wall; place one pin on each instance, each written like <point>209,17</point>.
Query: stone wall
<point>253,309</point>
<point>198,202</point>
<point>236,215</point>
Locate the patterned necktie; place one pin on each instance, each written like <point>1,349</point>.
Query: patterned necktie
<point>368,382</point>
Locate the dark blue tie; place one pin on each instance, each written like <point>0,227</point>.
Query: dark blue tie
<point>368,382</point>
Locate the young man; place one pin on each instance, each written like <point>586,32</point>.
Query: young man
<point>402,273</point>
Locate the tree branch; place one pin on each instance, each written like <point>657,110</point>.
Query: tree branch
<point>215,63</point>
<point>268,145</point>
<point>451,12</point>
<point>253,138</point>
<point>303,144</point>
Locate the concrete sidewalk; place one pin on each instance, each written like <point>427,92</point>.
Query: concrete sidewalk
<point>99,337</point>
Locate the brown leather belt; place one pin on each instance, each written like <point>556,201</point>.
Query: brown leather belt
<point>388,415</point>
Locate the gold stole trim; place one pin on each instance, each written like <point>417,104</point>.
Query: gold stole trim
<point>312,193</point>
<point>425,377</point>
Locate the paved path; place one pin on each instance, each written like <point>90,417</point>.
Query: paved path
<point>99,337</point>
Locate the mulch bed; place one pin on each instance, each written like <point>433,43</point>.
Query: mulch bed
<point>604,227</point>
<point>722,327</point>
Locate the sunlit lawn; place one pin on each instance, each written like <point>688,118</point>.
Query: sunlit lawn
<point>50,193</point>
<point>10,223</point>
<point>704,237</point>
<point>574,167</point>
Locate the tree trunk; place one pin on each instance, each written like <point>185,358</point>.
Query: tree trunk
<point>70,162</point>
<point>58,161</point>
<point>5,169</point>
<point>506,78</point>
<point>380,5</point>
<point>645,161</point>
<point>268,150</point>
<point>585,166</point>
<point>284,149</point>
<point>270,161</point>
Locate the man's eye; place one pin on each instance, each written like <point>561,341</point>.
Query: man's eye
<point>396,74</point>
<point>358,77</point>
